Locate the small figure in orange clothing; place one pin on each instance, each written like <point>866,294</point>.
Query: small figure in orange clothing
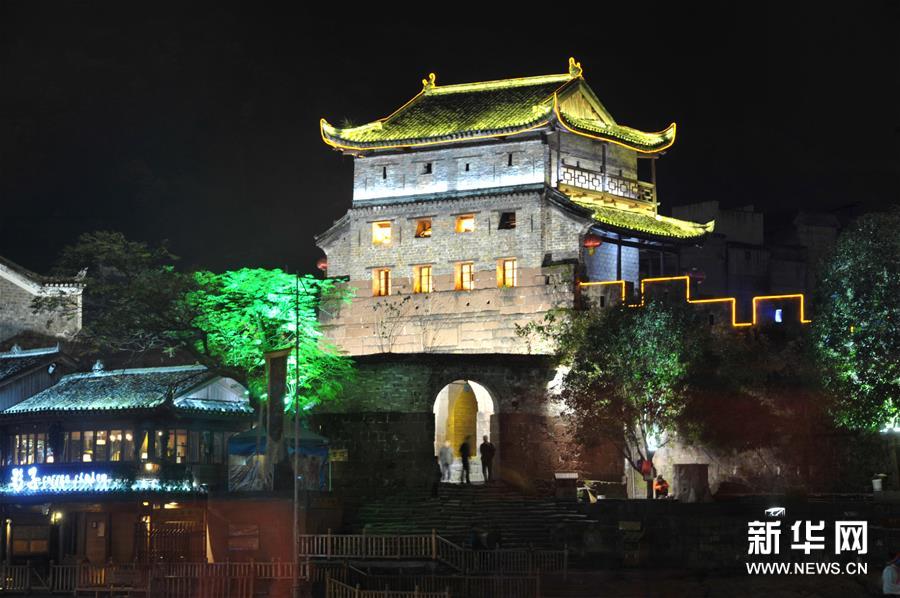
<point>661,487</point>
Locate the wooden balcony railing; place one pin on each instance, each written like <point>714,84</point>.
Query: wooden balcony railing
<point>592,180</point>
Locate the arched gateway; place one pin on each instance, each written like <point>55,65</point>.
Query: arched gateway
<point>465,409</point>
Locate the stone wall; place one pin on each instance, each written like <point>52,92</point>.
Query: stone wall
<point>446,320</point>
<point>16,315</point>
<point>465,168</point>
<point>386,421</point>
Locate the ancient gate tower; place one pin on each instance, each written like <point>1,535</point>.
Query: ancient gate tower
<point>476,208</point>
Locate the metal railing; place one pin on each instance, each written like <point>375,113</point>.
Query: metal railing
<point>336,589</point>
<point>432,547</point>
<point>173,580</point>
<point>366,546</point>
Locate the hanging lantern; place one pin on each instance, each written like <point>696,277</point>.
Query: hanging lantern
<point>591,242</point>
<point>322,264</point>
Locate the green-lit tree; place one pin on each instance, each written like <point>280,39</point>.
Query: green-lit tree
<point>628,373</point>
<point>240,315</point>
<point>856,323</point>
<point>136,301</point>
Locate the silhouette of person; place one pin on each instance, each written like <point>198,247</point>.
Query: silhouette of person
<point>445,457</point>
<point>437,476</point>
<point>487,457</point>
<point>465,452</point>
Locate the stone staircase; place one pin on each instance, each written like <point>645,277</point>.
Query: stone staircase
<point>523,521</point>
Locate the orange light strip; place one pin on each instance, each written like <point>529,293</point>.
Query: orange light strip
<point>732,300</point>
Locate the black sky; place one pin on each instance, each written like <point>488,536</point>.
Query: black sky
<point>199,124</point>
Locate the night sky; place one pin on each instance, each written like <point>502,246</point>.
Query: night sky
<point>200,125</point>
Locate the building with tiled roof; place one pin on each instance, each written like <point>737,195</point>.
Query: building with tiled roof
<point>494,185</point>
<point>108,449</point>
<point>24,372</point>
<point>477,209</point>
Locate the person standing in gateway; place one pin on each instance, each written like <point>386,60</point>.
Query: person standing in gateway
<point>445,457</point>
<point>465,451</point>
<point>487,451</point>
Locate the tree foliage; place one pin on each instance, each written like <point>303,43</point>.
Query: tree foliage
<point>132,290</point>
<point>856,322</point>
<point>137,301</point>
<point>628,373</point>
<point>243,314</point>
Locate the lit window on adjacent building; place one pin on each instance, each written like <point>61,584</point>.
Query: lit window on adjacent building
<point>507,221</point>
<point>381,282</point>
<point>423,228</point>
<point>465,224</point>
<point>422,279</point>
<point>506,273</point>
<point>779,316</point>
<point>465,276</point>
<point>26,449</point>
<point>178,446</point>
<point>381,233</point>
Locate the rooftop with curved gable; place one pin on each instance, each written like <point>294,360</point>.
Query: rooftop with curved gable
<point>442,114</point>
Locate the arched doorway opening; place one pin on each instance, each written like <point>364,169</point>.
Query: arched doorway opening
<point>465,409</point>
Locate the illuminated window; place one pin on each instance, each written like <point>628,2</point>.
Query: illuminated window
<point>25,449</point>
<point>100,445</point>
<point>423,228</point>
<point>381,233</point>
<point>506,273</point>
<point>73,447</point>
<point>421,279</point>
<point>507,221</point>
<point>87,447</point>
<point>121,445</point>
<point>145,443</point>
<point>465,276</point>
<point>160,444</point>
<point>178,450</point>
<point>381,282</point>
<point>178,445</point>
<point>778,316</point>
<point>465,224</point>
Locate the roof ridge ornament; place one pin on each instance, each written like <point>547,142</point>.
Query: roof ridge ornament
<point>429,82</point>
<point>574,67</point>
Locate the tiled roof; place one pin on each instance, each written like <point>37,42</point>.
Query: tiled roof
<point>448,113</point>
<point>13,363</point>
<point>633,138</point>
<point>143,388</point>
<point>647,222</point>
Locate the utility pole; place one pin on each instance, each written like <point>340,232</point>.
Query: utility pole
<point>296,434</point>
